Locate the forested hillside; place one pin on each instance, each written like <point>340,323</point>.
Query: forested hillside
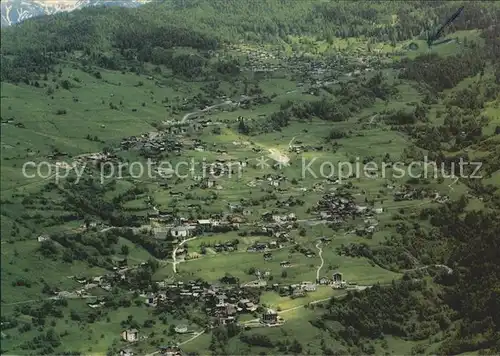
<point>412,310</point>
<point>204,25</point>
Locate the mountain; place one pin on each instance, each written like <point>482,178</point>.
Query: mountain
<point>15,11</point>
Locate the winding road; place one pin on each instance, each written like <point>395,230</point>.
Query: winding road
<point>195,336</point>
<point>297,307</point>
<point>274,153</point>
<point>373,118</point>
<point>174,252</point>
<point>229,102</point>
<point>446,268</point>
<point>198,334</point>
<point>188,115</point>
<point>72,296</point>
<point>318,246</point>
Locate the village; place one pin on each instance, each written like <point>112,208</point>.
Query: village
<point>223,304</point>
<point>308,66</point>
<point>243,224</point>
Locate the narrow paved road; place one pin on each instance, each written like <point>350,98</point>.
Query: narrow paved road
<point>298,307</point>
<point>256,320</point>
<point>446,268</point>
<point>320,254</point>
<point>51,298</point>
<point>37,181</point>
<point>188,115</point>
<point>174,252</point>
<point>228,102</point>
<point>195,336</point>
<point>373,118</point>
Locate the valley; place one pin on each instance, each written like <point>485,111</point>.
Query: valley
<point>174,191</point>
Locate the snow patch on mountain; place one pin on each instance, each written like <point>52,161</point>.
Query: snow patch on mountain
<point>15,11</point>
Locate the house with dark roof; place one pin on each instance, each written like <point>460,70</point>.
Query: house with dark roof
<point>131,335</point>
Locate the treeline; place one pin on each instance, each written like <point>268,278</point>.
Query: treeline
<point>270,20</point>
<point>406,117</point>
<point>21,67</point>
<point>474,288</point>
<point>103,28</point>
<point>388,310</point>
<point>344,102</point>
<point>140,36</point>
<point>87,199</point>
<point>440,73</point>
<point>464,121</point>
<point>160,249</point>
<point>95,249</point>
<point>32,46</point>
<point>36,45</point>
<point>393,258</point>
<point>467,242</point>
<point>416,19</point>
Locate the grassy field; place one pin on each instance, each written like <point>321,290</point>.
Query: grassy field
<point>21,262</point>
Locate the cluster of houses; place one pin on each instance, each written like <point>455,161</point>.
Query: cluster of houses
<point>297,290</point>
<point>170,137</point>
<point>258,60</point>
<point>154,141</point>
<point>369,227</point>
<point>407,192</point>
<point>298,148</point>
<point>170,350</point>
<point>181,128</point>
<point>227,309</point>
<point>104,282</point>
<point>187,228</point>
<point>223,303</point>
<point>265,246</point>
<point>279,219</point>
<point>315,70</point>
<point>170,293</point>
<point>273,225</point>
<point>229,246</point>
<point>95,158</point>
<point>337,208</point>
<point>336,282</point>
<point>150,140</point>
